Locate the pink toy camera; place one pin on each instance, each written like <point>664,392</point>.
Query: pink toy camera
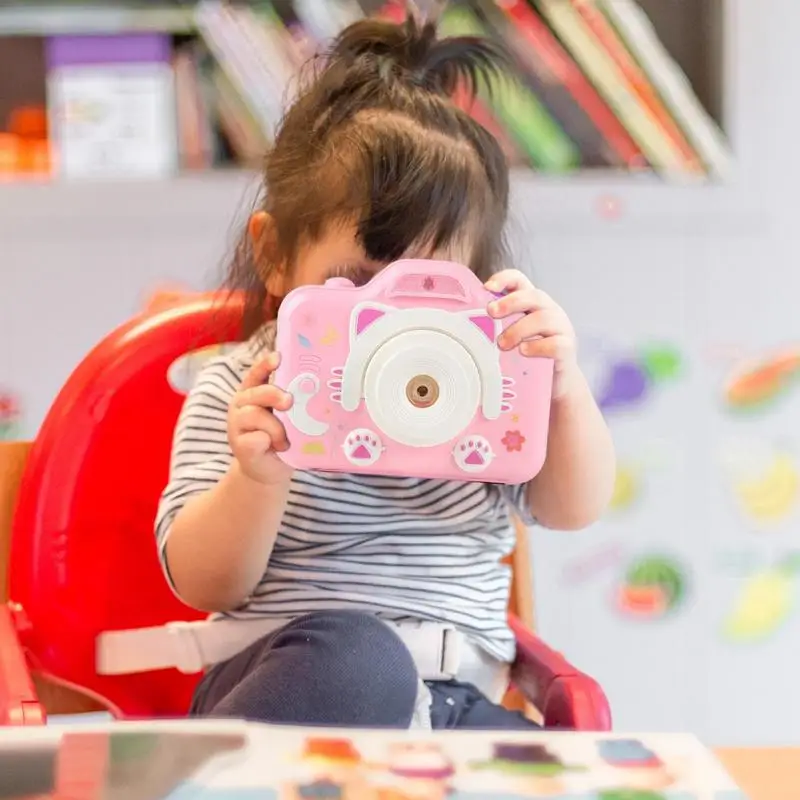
<point>403,376</point>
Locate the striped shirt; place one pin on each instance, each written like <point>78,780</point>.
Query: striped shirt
<point>401,548</point>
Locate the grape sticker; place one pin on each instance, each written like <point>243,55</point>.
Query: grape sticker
<point>629,381</point>
<point>653,587</point>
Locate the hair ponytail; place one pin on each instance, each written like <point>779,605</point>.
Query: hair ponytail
<point>412,54</point>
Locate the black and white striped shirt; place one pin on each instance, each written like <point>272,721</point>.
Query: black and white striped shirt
<point>402,548</point>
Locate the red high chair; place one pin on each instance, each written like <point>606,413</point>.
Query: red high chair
<point>83,557</point>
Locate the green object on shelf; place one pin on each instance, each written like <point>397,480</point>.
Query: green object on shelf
<point>516,108</point>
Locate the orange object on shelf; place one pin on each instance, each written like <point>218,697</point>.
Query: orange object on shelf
<point>9,153</point>
<point>28,122</point>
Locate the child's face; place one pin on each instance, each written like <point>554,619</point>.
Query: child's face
<point>338,253</point>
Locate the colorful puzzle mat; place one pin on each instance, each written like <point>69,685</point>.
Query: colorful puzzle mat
<point>212,761</point>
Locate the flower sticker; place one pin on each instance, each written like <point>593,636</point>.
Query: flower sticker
<point>9,416</point>
<point>513,441</point>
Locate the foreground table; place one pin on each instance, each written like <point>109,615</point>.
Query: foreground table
<point>768,774</point>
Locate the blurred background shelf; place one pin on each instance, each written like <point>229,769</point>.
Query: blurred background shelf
<point>615,86</point>
<point>60,19</point>
<point>599,204</point>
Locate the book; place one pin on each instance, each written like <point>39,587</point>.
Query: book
<point>608,79</point>
<point>241,130</point>
<point>396,12</point>
<point>518,110</point>
<point>537,36</point>
<point>323,21</point>
<point>635,28</point>
<point>195,136</point>
<point>111,105</point>
<point>212,760</point>
<point>258,76</point>
<point>640,83</point>
<point>538,73</point>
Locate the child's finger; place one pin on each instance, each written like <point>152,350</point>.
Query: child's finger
<point>539,323</point>
<point>508,280</point>
<point>251,418</point>
<point>265,395</point>
<point>519,302</point>
<point>556,347</point>
<point>254,444</point>
<point>254,419</point>
<point>261,370</point>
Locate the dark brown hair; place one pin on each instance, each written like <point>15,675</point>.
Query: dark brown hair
<point>375,139</point>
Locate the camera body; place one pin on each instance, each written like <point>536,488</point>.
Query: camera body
<point>403,376</point>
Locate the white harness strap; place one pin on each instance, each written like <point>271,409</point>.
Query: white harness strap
<point>191,647</point>
<point>440,653</point>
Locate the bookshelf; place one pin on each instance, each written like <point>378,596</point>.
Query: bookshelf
<point>613,85</point>
<point>702,36</point>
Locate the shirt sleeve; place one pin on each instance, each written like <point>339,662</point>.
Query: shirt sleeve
<point>201,455</point>
<point>516,496</point>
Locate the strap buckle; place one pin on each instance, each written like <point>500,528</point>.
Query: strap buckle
<point>188,654</point>
<point>450,654</point>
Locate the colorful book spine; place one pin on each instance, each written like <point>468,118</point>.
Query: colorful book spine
<point>537,37</point>
<point>534,72</point>
<point>243,133</point>
<point>641,85</point>
<point>532,127</point>
<point>670,82</point>
<point>600,68</point>
<point>248,69</point>
<point>396,12</point>
<point>323,21</point>
<point>194,134</point>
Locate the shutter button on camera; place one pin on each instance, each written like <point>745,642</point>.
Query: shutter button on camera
<point>339,283</point>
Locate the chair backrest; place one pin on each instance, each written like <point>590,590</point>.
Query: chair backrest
<point>83,557</point>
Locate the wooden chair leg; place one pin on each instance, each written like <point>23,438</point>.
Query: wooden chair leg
<point>521,605</point>
<point>12,463</point>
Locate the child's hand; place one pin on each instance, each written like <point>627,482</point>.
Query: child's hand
<point>544,331</point>
<point>254,433</point>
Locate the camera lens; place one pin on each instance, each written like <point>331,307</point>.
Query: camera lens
<point>422,391</point>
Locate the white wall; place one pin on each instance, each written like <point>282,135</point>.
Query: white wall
<point>711,271</point>
<point>701,267</point>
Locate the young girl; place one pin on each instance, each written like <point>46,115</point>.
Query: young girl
<point>348,599</point>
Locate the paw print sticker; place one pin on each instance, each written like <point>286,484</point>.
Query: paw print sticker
<point>362,447</point>
<point>473,454</point>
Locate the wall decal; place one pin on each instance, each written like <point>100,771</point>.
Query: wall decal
<point>766,601</point>
<point>763,480</point>
<point>627,377</point>
<point>760,382</point>
<point>653,586</point>
<point>588,565</point>
<point>10,416</point>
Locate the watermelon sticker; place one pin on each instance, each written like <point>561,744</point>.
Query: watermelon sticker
<point>653,587</point>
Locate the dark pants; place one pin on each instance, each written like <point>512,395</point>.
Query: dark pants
<point>339,668</point>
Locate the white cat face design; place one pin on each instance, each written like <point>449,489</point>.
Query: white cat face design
<point>365,315</point>
<point>374,324</point>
